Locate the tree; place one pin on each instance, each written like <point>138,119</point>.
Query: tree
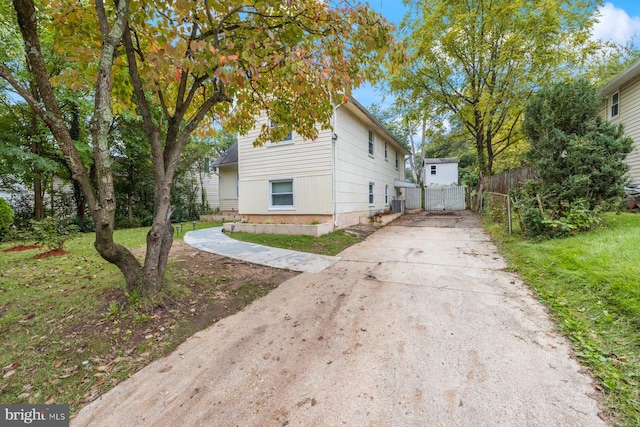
<point>579,157</point>
<point>198,61</point>
<point>480,60</point>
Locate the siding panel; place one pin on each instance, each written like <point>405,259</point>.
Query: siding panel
<point>355,168</point>
<point>311,195</point>
<point>630,117</point>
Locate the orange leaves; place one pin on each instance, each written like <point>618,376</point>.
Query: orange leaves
<point>177,74</point>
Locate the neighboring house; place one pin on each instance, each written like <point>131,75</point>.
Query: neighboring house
<point>349,172</point>
<point>440,171</point>
<point>208,182</point>
<point>621,97</point>
<point>227,173</point>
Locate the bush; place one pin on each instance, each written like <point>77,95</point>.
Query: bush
<point>6,216</point>
<point>579,157</point>
<point>85,225</point>
<point>52,233</point>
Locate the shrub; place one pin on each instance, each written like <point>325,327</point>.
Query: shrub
<point>52,233</point>
<point>6,215</point>
<point>579,157</point>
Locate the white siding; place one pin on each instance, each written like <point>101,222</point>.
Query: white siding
<point>446,174</point>
<point>355,168</point>
<point>629,116</point>
<point>308,163</point>
<point>311,195</point>
<point>228,188</point>
<point>210,185</point>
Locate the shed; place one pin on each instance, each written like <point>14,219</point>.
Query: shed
<point>441,171</point>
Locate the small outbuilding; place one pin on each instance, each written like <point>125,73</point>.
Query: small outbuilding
<point>442,171</point>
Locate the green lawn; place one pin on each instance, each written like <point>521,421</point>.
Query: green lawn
<point>53,315</point>
<point>592,284</point>
<point>328,244</point>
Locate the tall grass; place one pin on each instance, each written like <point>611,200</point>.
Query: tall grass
<point>592,284</point>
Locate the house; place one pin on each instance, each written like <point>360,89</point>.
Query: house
<point>347,174</point>
<point>440,171</point>
<point>621,104</point>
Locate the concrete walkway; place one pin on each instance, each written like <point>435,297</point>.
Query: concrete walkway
<point>418,325</point>
<point>215,241</point>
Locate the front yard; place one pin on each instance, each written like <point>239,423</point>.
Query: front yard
<point>69,332</point>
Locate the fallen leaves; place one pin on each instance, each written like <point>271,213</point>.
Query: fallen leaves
<point>10,369</point>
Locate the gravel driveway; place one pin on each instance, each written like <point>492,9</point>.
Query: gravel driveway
<point>419,325</point>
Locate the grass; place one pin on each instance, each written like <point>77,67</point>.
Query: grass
<point>327,244</point>
<point>66,326</point>
<point>591,282</point>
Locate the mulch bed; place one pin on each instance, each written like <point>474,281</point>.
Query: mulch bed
<point>20,248</point>
<point>53,252</point>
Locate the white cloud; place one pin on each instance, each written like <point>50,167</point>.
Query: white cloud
<point>616,25</point>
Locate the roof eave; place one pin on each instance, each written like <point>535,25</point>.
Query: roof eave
<point>626,76</point>
<point>376,122</point>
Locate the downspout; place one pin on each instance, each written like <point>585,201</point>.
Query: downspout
<point>334,144</point>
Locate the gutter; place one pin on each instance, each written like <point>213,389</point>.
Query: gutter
<point>334,183</point>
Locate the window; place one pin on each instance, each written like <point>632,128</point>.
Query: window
<point>288,139</point>
<point>371,143</point>
<point>397,163</point>
<point>281,192</point>
<point>615,104</point>
<point>386,154</point>
<point>434,170</point>
<point>386,195</point>
<point>371,198</point>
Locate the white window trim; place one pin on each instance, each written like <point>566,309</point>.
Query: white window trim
<point>371,143</point>
<point>371,193</point>
<point>278,143</point>
<point>611,105</point>
<point>273,207</point>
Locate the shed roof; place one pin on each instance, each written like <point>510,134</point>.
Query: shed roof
<point>229,157</point>
<point>440,161</point>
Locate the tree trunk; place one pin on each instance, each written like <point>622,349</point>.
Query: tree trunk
<point>102,202</point>
<point>36,148</point>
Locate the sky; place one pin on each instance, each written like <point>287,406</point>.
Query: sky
<point>619,22</point>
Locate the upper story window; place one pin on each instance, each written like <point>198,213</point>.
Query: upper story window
<point>434,170</point>
<point>386,151</point>
<point>288,139</point>
<point>615,105</point>
<point>371,143</point>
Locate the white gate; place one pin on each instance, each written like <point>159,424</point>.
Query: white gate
<point>412,198</point>
<point>444,197</point>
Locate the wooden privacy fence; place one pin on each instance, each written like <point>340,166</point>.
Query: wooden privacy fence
<point>444,197</point>
<point>412,197</point>
<point>505,181</point>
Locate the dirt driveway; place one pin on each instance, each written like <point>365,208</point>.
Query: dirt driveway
<point>417,326</point>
